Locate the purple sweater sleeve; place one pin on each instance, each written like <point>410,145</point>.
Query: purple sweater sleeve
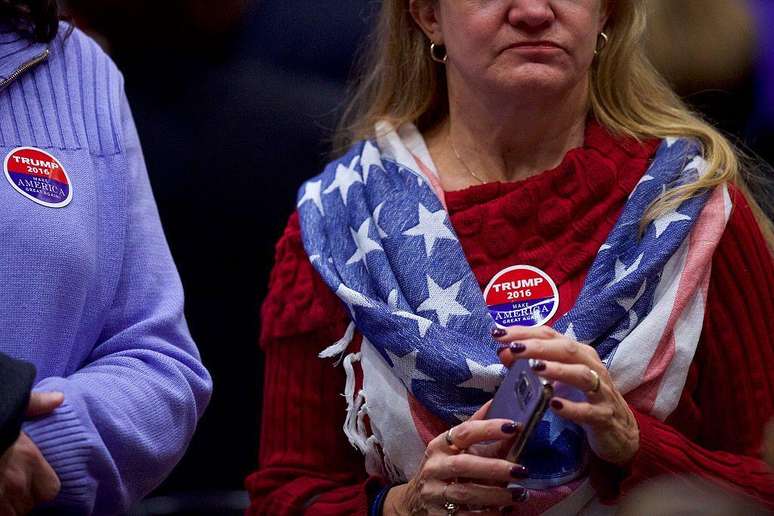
<point>131,408</point>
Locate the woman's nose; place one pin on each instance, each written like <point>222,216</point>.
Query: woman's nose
<point>532,14</point>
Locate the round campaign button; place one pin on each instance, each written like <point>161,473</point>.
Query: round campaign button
<point>38,176</point>
<point>521,295</point>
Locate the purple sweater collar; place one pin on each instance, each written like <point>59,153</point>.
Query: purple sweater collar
<point>18,54</point>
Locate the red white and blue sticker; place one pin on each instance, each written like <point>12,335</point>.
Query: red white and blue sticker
<point>38,176</point>
<point>521,295</point>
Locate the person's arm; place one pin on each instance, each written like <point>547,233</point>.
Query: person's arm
<point>130,410</point>
<point>735,387</point>
<point>306,462</point>
<point>16,377</point>
<point>665,451</point>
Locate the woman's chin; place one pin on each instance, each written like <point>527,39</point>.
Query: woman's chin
<point>535,80</point>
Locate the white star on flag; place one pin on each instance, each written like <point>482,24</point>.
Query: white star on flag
<point>424,324</point>
<point>442,301</point>
<point>377,214</point>
<point>622,271</point>
<point>604,247</point>
<point>407,367</point>
<point>392,299</point>
<point>364,244</point>
<point>570,332</point>
<point>485,378</point>
<point>312,193</point>
<point>315,258</point>
<point>370,157</point>
<point>628,302</point>
<point>699,164</point>
<point>670,140</point>
<point>643,179</point>
<point>431,227</point>
<point>352,298</point>
<point>555,427</point>
<point>345,177</point>
<point>663,222</point>
<point>626,330</point>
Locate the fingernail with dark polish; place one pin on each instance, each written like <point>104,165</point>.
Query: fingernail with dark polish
<point>517,347</point>
<point>519,471</point>
<point>510,428</point>
<point>501,349</point>
<point>556,404</point>
<point>537,365</point>
<point>498,332</point>
<point>519,494</point>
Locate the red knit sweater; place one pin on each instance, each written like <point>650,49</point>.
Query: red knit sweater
<point>555,221</point>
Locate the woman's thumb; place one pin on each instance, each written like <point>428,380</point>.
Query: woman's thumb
<point>42,403</point>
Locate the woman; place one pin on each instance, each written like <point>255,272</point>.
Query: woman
<point>90,294</point>
<point>526,149</point>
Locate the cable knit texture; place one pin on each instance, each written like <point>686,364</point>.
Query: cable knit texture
<point>556,221</point>
<point>90,293</point>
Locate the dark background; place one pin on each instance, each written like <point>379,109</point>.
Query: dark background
<point>234,107</point>
<point>235,102</point>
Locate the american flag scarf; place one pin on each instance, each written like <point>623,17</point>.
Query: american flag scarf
<point>375,227</point>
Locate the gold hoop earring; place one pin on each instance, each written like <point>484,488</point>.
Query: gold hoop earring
<point>602,41</point>
<point>434,53</point>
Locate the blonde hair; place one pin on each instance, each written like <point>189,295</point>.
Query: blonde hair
<point>400,83</point>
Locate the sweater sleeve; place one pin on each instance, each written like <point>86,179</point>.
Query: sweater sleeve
<point>733,393</point>
<point>306,463</point>
<point>132,406</point>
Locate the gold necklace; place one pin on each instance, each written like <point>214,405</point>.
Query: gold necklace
<point>459,158</point>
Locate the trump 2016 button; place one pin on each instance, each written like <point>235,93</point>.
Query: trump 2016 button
<point>521,295</point>
<point>38,176</point>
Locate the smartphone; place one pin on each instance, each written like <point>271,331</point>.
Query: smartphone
<point>523,397</point>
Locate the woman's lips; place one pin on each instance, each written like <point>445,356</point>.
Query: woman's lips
<point>535,46</point>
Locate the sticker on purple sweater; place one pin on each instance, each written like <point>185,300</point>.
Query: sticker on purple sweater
<point>38,176</point>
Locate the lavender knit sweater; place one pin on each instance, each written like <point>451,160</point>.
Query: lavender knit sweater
<point>90,293</point>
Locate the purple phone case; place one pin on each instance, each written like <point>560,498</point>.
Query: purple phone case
<point>522,397</point>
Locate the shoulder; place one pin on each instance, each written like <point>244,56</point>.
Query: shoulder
<point>742,266</point>
<point>80,52</point>
<point>298,301</point>
<point>743,233</point>
<point>347,162</point>
<point>93,87</point>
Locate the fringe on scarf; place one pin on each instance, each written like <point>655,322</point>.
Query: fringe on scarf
<point>377,463</point>
<point>340,346</point>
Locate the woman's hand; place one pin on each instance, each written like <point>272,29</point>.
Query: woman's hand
<point>449,474</point>
<point>26,479</point>
<point>611,428</point>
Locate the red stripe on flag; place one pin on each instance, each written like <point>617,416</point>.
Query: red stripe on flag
<point>701,245</point>
<point>428,425</point>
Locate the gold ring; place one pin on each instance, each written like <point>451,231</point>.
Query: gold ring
<point>595,388</point>
<point>450,441</point>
